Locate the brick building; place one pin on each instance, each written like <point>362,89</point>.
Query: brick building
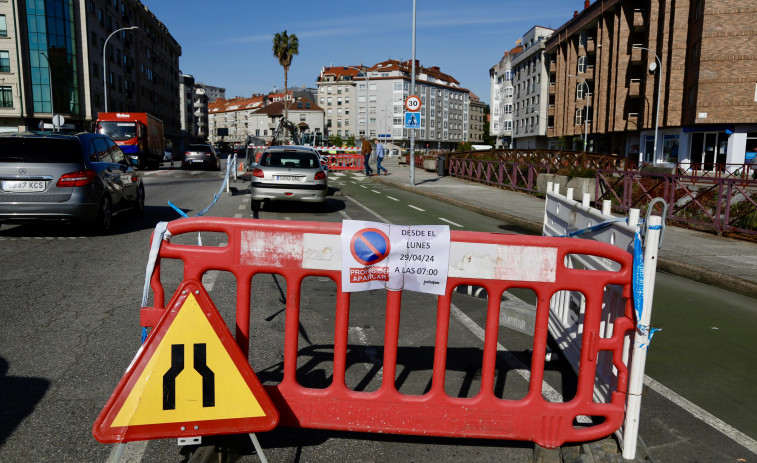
<point>707,90</point>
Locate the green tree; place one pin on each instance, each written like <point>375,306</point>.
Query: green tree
<point>285,46</point>
<point>351,141</point>
<point>467,146</point>
<point>336,140</point>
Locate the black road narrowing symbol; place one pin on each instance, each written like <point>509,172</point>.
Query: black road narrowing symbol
<point>177,366</point>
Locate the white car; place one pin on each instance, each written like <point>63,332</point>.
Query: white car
<point>288,173</point>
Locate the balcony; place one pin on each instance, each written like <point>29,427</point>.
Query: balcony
<point>632,120</point>
<point>638,19</point>
<point>636,54</point>
<point>591,46</point>
<point>634,88</point>
<point>588,73</point>
<point>551,110</point>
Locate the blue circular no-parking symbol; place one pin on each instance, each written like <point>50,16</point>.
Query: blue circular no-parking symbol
<point>370,246</point>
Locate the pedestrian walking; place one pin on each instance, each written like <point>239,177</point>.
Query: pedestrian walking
<point>365,150</point>
<point>380,157</point>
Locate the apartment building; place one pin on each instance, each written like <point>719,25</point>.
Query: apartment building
<point>213,93</point>
<point>258,117</point>
<point>52,63</point>
<point>369,101</point>
<point>614,61</point>
<point>476,119</point>
<point>502,92</point>
<point>530,81</point>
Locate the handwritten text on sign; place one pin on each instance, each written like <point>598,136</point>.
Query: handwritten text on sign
<point>377,255</point>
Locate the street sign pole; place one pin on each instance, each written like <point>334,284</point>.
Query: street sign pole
<point>412,92</point>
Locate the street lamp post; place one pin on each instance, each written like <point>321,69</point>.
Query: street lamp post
<point>50,78</point>
<point>659,90</point>
<point>588,103</point>
<point>105,63</point>
<point>412,92</point>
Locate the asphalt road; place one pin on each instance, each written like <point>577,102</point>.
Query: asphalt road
<point>70,328</point>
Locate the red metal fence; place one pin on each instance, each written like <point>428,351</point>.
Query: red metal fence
<point>720,204</point>
<point>537,263</point>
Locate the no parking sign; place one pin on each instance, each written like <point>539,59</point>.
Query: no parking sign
<point>378,255</point>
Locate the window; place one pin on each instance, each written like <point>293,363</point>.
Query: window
<point>582,39</point>
<point>581,64</point>
<point>508,92</point>
<point>6,97</point>
<point>3,26</point>
<point>580,91</point>
<point>5,62</point>
<point>579,116</point>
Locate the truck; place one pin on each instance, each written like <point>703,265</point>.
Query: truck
<point>140,136</point>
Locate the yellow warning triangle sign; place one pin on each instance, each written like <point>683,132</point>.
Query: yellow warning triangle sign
<point>189,379</point>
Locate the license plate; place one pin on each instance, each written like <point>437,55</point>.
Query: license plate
<point>290,178</point>
<point>24,186</point>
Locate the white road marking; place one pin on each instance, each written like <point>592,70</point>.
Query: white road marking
<point>393,199</point>
<point>363,186</point>
<point>130,452</point>
<point>450,222</point>
<point>547,391</point>
<point>709,419</point>
<point>416,208</point>
<point>209,278</point>
<point>377,192</point>
<point>242,207</point>
<point>376,214</point>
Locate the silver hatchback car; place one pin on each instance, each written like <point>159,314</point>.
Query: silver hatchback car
<point>288,173</point>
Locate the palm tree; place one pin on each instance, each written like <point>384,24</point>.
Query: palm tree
<point>285,46</point>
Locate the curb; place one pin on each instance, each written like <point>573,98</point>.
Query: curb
<point>664,264</point>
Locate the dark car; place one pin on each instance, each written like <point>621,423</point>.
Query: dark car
<point>83,178</point>
<point>201,156</point>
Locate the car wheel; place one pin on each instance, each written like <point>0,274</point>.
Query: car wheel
<point>140,200</point>
<point>104,220</point>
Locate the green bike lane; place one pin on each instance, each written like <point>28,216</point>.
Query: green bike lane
<point>702,360</point>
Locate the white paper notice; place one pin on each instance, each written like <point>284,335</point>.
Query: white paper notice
<point>397,257</point>
<point>419,258</point>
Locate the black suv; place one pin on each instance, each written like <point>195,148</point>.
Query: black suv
<point>83,178</point>
<point>203,156</point>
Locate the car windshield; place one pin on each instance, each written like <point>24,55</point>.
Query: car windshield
<point>39,150</point>
<point>118,130</point>
<point>201,148</point>
<point>299,159</point>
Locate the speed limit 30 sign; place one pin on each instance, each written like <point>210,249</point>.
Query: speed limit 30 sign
<point>413,103</point>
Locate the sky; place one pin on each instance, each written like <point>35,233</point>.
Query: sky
<point>228,43</point>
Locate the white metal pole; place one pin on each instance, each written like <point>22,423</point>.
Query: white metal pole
<point>412,92</point>
<point>105,63</point>
<point>641,340</point>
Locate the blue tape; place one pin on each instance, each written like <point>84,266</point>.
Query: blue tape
<point>176,208</point>
<point>638,275</point>
<point>215,198</point>
<point>649,332</point>
<point>596,227</point>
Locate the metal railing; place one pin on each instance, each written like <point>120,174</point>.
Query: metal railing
<point>724,205</point>
<point>707,170</point>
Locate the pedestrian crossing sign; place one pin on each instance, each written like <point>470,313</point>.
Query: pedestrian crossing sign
<point>188,379</point>
<point>412,120</point>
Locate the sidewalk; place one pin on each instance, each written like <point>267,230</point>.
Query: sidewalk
<point>726,263</point>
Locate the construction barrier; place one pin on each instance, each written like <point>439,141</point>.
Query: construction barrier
<point>566,217</point>
<point>345,162</point>
<point>497,262</point>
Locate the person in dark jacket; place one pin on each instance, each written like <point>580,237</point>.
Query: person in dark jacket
<point>365,150</point>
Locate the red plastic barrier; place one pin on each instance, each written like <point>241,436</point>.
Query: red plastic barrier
<point>530,262</point>
<point>345,161</point>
